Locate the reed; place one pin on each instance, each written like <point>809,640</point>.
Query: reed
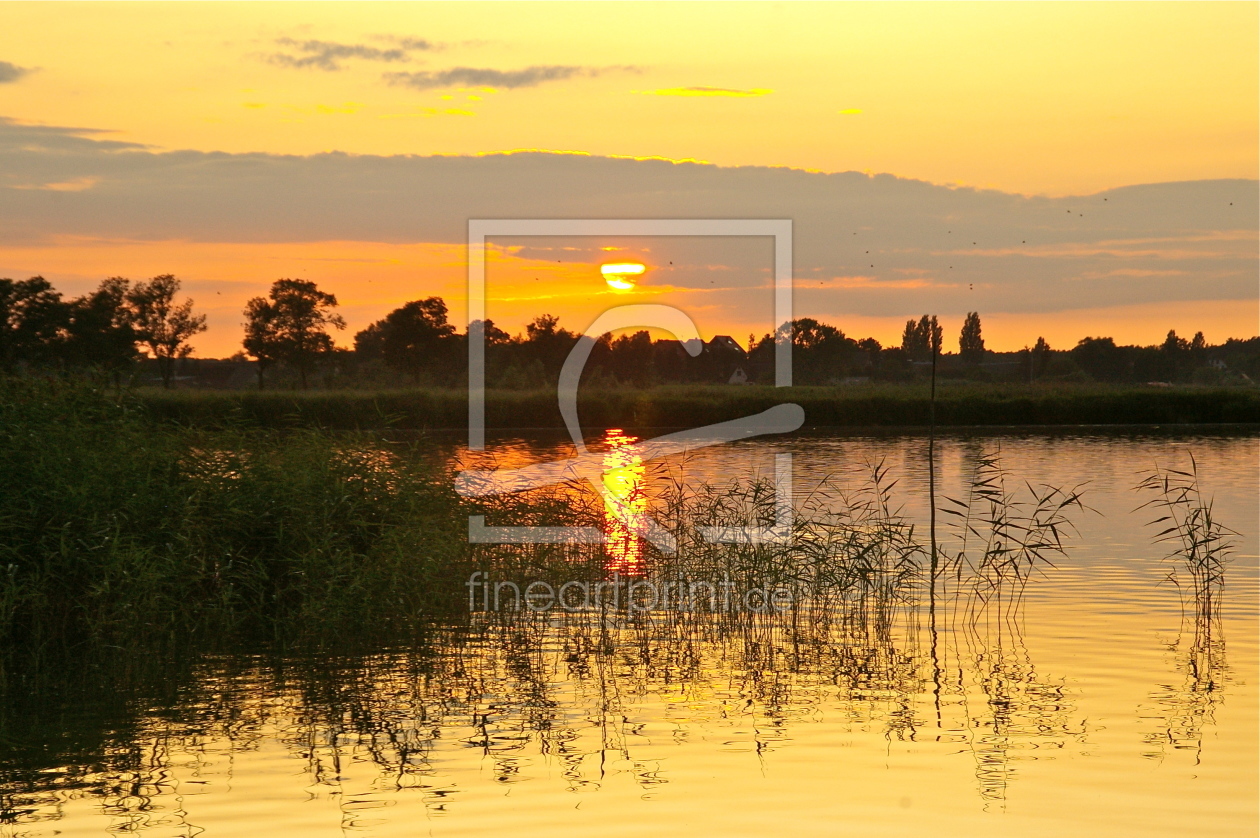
<point>123,529</point>
<point>1006,536</point>
<point>1201,547</point>
<point>1201,544</point>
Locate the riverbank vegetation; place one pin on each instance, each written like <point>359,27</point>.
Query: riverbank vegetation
<point>121,529</point>
<point>862,405</point>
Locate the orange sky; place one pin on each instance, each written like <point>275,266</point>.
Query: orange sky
<point>1034,99</point>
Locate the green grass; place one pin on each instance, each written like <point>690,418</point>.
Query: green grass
<point>690,406</point>
<point>122,529</point>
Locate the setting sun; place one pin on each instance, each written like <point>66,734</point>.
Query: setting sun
<point>621,276</point>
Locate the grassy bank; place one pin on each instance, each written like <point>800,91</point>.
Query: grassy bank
<point>690,406</point>
<point>123,529</point>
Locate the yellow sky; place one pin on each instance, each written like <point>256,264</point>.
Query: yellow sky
<point>1034,98</point>
<point>1028,97</point>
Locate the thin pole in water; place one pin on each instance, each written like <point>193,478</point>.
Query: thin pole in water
<point>936,667</point>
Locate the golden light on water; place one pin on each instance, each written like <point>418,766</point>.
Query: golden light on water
<point>621,276</point>
<point>625,502</point>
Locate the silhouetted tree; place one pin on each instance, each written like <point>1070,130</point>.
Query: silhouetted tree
<point>262,338</point>
<point>911,343</point>
<point>411,338</point>
<point>32,321</point>
<point>1174,359</point>
<point>547,343</point>
<point>493,335</point>
<point>819,351</point>
<point>101,329</point>
<point>631,358</point>
<point>1100,358</point>
<point>293,324</point>
<point>161,325</point>
<point>923,339</point>
<point>1174,344</point>
<point>970,342</point>
<point>1040,358</point>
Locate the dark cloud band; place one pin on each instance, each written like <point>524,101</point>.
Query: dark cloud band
<point>327,55</point>
<point>482,77</point>
<point>871,245</point>
<point>11,72</point>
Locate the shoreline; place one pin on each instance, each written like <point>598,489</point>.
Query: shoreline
<point>896,408</point>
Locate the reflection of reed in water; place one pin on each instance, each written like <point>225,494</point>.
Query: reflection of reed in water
<point>1003,539</point>
<point>598,692</point>
<point>1023,715</point>
<point>1201,548</point>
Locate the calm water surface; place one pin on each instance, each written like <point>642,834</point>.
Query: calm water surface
<point>1091,711</point>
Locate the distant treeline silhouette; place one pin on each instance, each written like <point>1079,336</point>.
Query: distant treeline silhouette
<point>107,330</point>
<point>123,327</point>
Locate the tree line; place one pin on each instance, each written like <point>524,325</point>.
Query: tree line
<point>105,330</point>
<point>121,323</point>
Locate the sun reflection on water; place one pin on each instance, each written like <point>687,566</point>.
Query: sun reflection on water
<point>625,502</point>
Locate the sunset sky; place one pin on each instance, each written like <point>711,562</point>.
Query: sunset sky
<point>1065,169</point>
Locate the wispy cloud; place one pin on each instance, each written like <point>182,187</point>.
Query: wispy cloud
<point>409,43</point>
<point>76,185</point>
<point>509,79</point>
<point>706,91</point>
<point>328,55</point>
<point>12,72</point>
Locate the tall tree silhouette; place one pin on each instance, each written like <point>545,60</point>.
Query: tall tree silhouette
<point>411,338</point>
<point>970,343</point>
<point>32,319</point>
<point>101,329</point>
<point>291,326</point>
<point>161,325</point>
<point>923,339</point>
<point>261,337</point>
<point>1040,357</point>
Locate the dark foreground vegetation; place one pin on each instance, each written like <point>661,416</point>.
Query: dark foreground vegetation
<point>863,405</point>
<point>119,529</point>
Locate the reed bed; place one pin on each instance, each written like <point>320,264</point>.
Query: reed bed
<point>120,529</point>
<point>127,529</point>
<point>861,405</point>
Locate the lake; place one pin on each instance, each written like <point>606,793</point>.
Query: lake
<point>1101,701</point>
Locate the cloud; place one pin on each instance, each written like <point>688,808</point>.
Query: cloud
<point>50,139</point>
<point>410,43</point>
<point>327,55</point>
<point>12,72</point>
<point>706,91</point>
<point>76,185</point>
<point>510,79</point>
<point>917,246</point>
